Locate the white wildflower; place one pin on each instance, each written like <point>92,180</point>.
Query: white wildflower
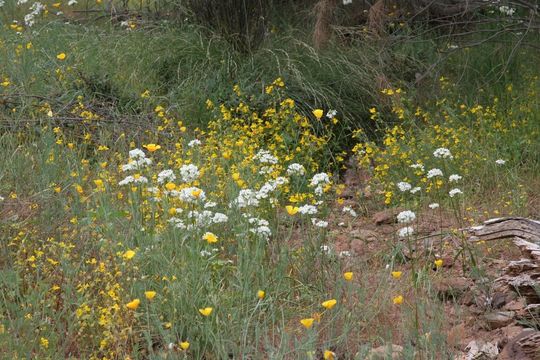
<point>326,249</point>
<point>296,169</point>
<point>190,194</point>
<point>507,10</point>
<point>434,172</point>
<point>246,197</point>
<point>319,223</point>
<point>406,231</point>
<point>455,192</point>
<point>344,253</point>
<point>416,189</point>
<point>307,210</point>
<point>417,166</point>
<point>166,175</point>
<point>455,178</point>
<point>265,157</point>
<point>349,210</point>
<point>189,173</point>
<point>319,181</point>
<point>500,162</point>
<point>72,2</point>
<point>404,186</point>
<point>433,205</point>
<point>443,153</point>
<point>406,216</point>
<point>194,142</point>
<point>331,113</point>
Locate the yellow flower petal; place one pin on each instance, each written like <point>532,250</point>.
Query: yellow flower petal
<point>328,304</point>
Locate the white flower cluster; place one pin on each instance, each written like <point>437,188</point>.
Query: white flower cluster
<point>434,172</point>
<point>205,218</point>
<point>265,157</point>
<point>404,186</point>
<point>406,231</point>
<point>35,10</point>
<point>319,223</point>
<point>307,210</point>
<point>332,113</point>
<point>433,205</point>
<point>189,173</point>
<point>296,169</point>
<point>270,186</point>
<point>417,166</point>
<point>261,227</point>
<point>137,160</point>
<point>349,210</point>
<point>455,178</point>
<point>455,192</point>
<point>319,181</point>
<point>245,198</point>
<point>166,175</point>
<point>507,10</point>
<point>443,153</point>
<point>193,143</point>
<point>500,162</point>
<point>133,179</point>
<point>406,216</point>
<point>190,194</point>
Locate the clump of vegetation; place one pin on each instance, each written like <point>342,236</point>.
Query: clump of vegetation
<point>177,190</point>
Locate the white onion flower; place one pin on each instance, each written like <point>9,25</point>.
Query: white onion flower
<point>406,216</point>
<point>455,192</point>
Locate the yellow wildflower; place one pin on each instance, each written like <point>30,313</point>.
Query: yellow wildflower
<point>348,276</point>
<point>206,311</point>
<point>328,304</point>
<point>307,322</point>
<point>150,294</point>
<point>134,304</point>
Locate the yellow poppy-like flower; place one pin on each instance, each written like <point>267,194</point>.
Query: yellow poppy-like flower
<point>291,210</point>
<point>348,275</point>
<point>396,274</point>
<point>206,311</point>
<point>128,255</point>
<point>328,304</point>
<point>134,304</point>
<point>261,294</point>
<point>152,147</point>
<point>150,294</point>
<point>307,322</point>
<point>398,300</point>
<point>210,238</point>
<point>170,186</point>
<point>318,113</point>
<point>329,355</point>
<point>61,56</point>
<point>438,263</point>
<point>184,345</point>
<point>196,193</point>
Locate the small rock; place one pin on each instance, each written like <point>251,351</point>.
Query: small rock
<point>387,216</point>
<point>499,319</point>
<point>481,350</point>
<point>382,352</point>
<point>515,305</point>
<point>453,287</point>
<point>525,346</point>
<point>498,300</point>
<point>364,235</point>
